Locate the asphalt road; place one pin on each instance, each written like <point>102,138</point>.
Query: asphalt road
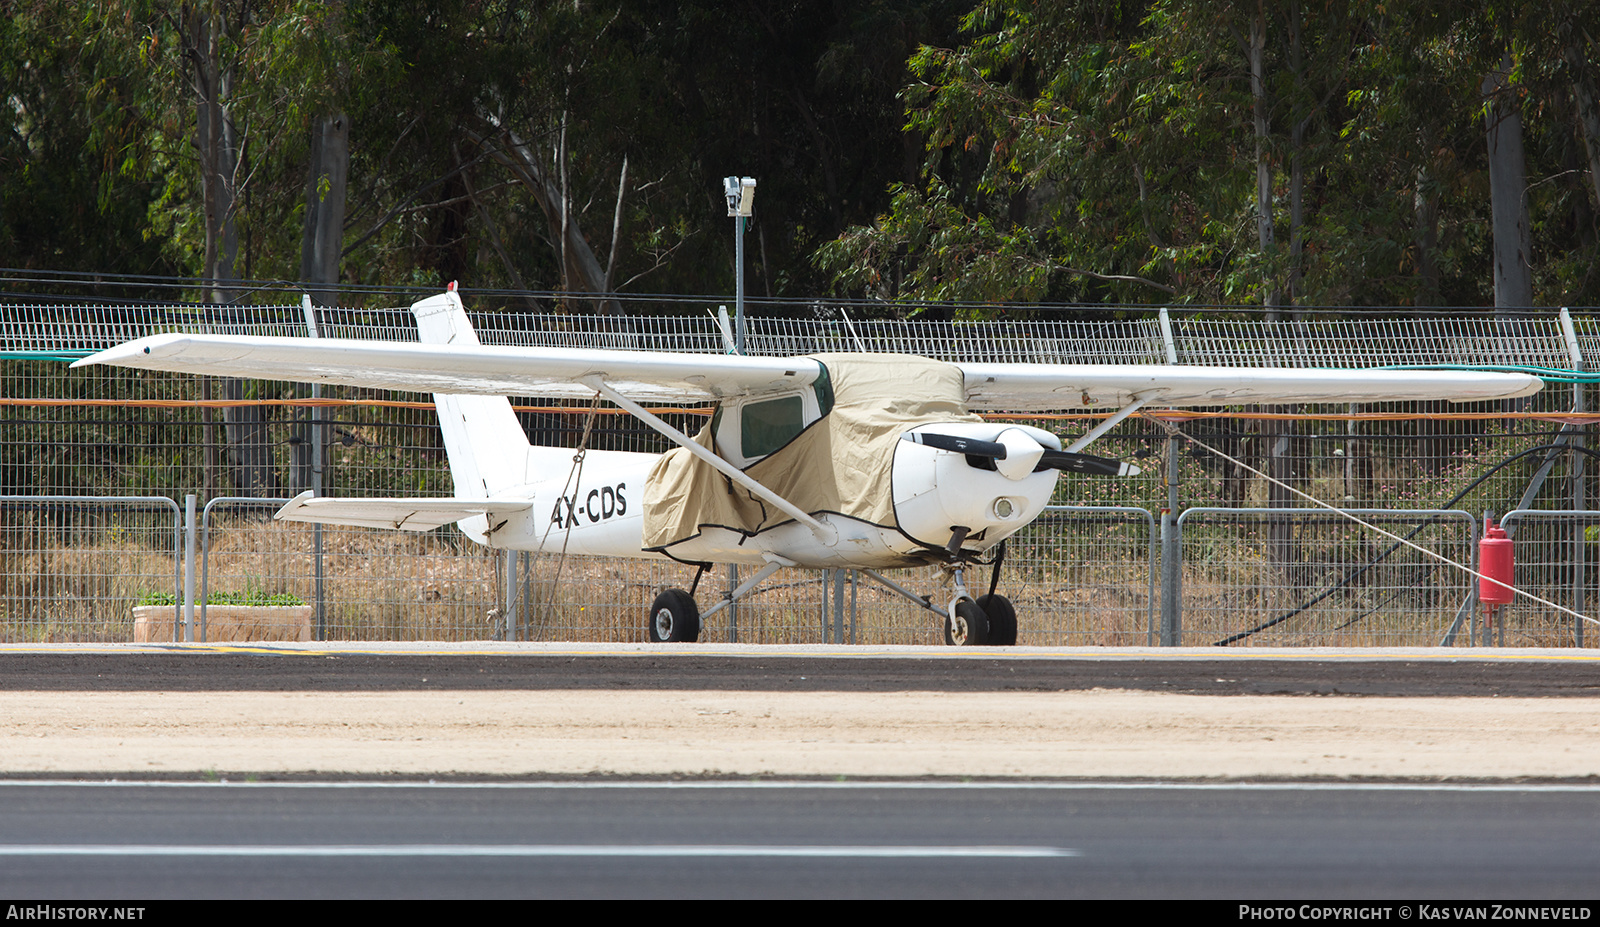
<point>743,840</point>
<point>311,670</point>
<point>612,837</point>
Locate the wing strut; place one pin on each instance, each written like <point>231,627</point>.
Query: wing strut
<point>1108,424</point>
<point>598,384</point>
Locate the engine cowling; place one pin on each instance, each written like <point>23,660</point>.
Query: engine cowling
<point>984,476</point>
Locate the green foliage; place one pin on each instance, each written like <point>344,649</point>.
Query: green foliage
<point>252,597</point>
<point>99,167</point>
<point>1108,153</point>
<point>936,149</point>
<point>76,176</point>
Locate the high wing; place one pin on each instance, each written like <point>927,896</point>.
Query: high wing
<point>1033,387</point>
<point>469,369</point>
<point>692,378</point>
<point>404,514</point>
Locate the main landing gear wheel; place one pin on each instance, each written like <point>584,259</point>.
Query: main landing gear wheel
<point>674,617</point>
<point>1002,620</point>
<point>966,625</point>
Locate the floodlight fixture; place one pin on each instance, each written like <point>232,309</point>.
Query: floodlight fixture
<point>741,195</point>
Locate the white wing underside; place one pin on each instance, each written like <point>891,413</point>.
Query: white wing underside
<point>404,514</point>
<point>480,370</point>
<point>1038,387</point>
<point>699,378</point>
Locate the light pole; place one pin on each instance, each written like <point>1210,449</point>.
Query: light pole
<point>741,194</point>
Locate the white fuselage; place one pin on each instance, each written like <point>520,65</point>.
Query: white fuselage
<point>598,510</point>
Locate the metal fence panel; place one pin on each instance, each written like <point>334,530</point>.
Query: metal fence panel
<point>1558,559</point>
<point>1076,576</point>
<point>385,585</point>
<point>1323,342</point>
<point>377,585</point>
<point>1316,340</point>
<point>1083,576</point>
<point>1293,577</point>
<point>72,568</point>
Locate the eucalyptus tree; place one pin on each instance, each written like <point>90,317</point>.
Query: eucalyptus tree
<point>1036,173</point>
<point>77,173</point>
<point>1275,152</point>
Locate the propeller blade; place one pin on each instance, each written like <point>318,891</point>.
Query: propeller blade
<point>969,446</point>
<point>1087,463</point>
<point>981,454</point>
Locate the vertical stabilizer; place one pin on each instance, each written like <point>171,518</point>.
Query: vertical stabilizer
<point>487,446</point>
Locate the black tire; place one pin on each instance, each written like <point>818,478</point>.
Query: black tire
<point>967,626</point>
<point>1002,620</point>
<point>673,617</point>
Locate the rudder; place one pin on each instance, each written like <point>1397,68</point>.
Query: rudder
<point>487,447</point>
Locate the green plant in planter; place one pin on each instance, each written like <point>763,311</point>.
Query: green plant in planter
<point>249,597</point>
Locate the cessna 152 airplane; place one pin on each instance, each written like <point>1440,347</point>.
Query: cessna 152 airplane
<point>862,461</point>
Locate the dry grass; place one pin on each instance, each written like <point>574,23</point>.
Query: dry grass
<point>75,583</point>
<point>62,582</point>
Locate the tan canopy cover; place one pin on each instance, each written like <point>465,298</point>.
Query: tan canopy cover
<point>842,463</point>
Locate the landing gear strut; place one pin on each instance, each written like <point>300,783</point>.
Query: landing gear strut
<point>968,622</point>
<point>673,615</point>
<point>965,624</point>
<point>987,620</point>
<point>1002,617</point>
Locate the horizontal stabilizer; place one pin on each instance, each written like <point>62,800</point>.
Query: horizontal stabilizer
<point>405,514</point>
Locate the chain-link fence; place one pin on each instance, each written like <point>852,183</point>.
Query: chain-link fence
<point>1085,573</point>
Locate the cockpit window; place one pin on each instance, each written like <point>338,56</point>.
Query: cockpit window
<point>767,426</point>
<point>748,429</point>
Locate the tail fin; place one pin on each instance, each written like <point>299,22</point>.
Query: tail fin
<point>487,447</point>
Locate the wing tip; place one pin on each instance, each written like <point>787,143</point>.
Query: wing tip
<point>129,353</point>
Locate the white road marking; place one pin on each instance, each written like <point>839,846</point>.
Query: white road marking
<point>545,850</point>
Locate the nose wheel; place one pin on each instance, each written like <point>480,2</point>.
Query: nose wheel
<point>990,620</point>
<point>965,624</point>
<point>970,622</point>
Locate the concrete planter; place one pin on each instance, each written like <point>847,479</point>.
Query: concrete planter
<point>153,623</point>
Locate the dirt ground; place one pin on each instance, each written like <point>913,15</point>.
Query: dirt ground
<point>1091,733</point>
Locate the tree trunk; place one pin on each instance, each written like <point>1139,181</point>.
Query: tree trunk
<point>217,139</point>
<point>1583,91</point>
<point>321,239</point>
<point>322,236</point>
<point>581,269</point>
<point>1297,169</point>
<point>1271,298</point>
<point>1513,276</point>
